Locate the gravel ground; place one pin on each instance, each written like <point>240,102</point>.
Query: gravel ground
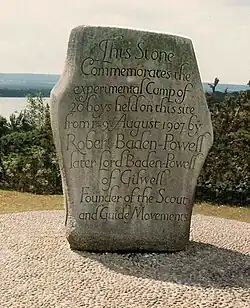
<point>37,268</point>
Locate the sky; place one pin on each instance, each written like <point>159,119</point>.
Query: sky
<point>34,33</point>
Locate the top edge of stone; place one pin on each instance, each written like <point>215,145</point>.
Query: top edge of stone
<point>82,27</point>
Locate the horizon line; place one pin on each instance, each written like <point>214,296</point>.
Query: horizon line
<point>57,74</point>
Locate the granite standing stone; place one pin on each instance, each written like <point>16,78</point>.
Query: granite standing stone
<point>132,131</point>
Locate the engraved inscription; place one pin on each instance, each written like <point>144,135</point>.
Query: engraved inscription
<point>133,132</point>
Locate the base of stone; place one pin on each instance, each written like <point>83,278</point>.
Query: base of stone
<point>127,247</point>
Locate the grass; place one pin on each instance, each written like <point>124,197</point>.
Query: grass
<point>223,211</point>
<point>12,201</point>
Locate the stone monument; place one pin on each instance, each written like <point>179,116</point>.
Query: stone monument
<point>132,131</point>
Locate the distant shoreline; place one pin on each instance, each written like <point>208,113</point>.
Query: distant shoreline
<point>23,93</point>
<point>17,90</point>
<point>15,93</point>
<point>20,85</point>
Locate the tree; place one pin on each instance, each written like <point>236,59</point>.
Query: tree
<point>4,126</point>
<point>28,159</point>
<point>19,122</point>
<point>230,151</point>
<point>214,85</point>
<point>36,111</point>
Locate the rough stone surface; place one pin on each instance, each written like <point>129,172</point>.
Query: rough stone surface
<point>132,131</point>
<point>38,269</point>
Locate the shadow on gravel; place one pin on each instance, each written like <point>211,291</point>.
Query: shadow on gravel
<point>200,264</point>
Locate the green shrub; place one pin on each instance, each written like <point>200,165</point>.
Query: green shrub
<point>27,153</point>
<point>35,171</point>
<point>225,177</point>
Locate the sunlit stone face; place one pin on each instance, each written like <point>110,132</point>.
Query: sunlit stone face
<point>132,131</point>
